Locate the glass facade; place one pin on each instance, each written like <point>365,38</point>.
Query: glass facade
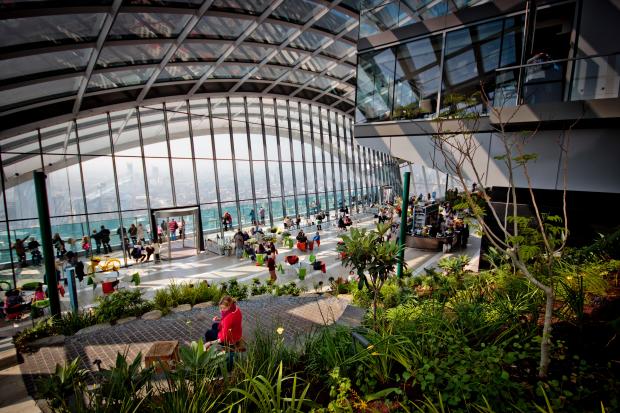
<point>380,15</point>
<point>234,155</point>
<point>425,76</point>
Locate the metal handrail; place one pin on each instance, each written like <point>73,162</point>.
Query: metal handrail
<point>503,69</point>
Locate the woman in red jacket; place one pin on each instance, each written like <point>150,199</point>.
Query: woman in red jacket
<point>226,330</point>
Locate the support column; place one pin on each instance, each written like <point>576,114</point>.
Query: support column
<point>403,226</point>
<point>46,242</point>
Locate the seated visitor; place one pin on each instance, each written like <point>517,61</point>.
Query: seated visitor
<point>246,236</point>
<point>227,328</point>
<point>251,252</point>
<point>301,237</point>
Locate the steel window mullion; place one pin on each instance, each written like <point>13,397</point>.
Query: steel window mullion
<point>290,140</point>
<point>441,63</point>
<point>146,182</point>
<point>81,182</point>
<point>323,161</point>
<point>346,159</point>
<point>303,157</point>
<point>174,194</point>
<point>331,156</point>
<point>317,200</point>
<point>118,195</point>
<point>234,162</point>
<point>352,159</point>
<point>6,221</point>
<point>351,165</point>
<point>262,124</point>
<point>277,124</point>
<point>339,158</point>
<point>247,128</point>
<point>217,180</point>
<point>191,145</point>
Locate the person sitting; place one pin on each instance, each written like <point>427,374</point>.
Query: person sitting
<point>33,247</point>
<point>137,254</point>
<point>246,236</point>
<point>272,248</point>
<point>251,252</point>
<point>226,330</point>
<point>341,224</point>
<point>262,249</point>
<point>39,294</point>
<point>301,237</point>
<point>257,230</point>
<point>150,250</point>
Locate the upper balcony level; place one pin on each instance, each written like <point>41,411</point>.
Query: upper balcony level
<point>563,70</point>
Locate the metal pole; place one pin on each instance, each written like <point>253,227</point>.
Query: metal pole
<point>403,226</point>
<point>46,242</point>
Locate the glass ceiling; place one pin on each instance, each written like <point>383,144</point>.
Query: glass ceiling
<point>63,57</point>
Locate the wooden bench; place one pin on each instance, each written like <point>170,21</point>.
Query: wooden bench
<point>163,354</point>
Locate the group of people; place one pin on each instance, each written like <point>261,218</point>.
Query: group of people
<point>171,227</point>
<point>21,248</point>
<point>14,304</point>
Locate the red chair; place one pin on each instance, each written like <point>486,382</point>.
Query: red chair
<point>323,268</point>
<point>311,245</point>
<point>301,246</point>
<point>291,259</point>
<point>107,287</point>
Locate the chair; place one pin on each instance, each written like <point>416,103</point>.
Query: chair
<point>301,246</point>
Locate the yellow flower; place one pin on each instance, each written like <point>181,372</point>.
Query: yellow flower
<point>280,330</point>
<point>370,347</point>
<point>374,353</point>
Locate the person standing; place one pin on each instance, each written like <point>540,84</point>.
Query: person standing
<point>33,247</point>
<point>253,217</point>
<point>105,239</point>
<point>86,245</point>
<point>122,235</point>
<point>97,237</point>
<point>298,221</point>
<point>20,250</point>
<point>182,229</point>
<point>271,266</point>
<point>239,242</point>
<point>133,233</point>
<point>140,233</point>
<point>317,239</point>
<point>59,244</point>
<point>173,226</point>
<point>261,214</point>
<point>164,229</point>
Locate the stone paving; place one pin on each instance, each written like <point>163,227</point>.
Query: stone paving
<point>297,315</point>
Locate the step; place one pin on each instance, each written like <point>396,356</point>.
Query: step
<point>8,354</point>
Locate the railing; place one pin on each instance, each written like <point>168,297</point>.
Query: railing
<point>559,80</point>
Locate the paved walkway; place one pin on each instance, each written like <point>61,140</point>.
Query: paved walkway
<point>299,316</point>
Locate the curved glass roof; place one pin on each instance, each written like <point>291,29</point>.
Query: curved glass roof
<point>62,59</point>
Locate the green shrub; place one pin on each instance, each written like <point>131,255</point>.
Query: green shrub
<point>234,289</point>
<point>123,303</point>
<point>390,295</point>
<point>288,289</point>
<point>162,301</point>
<point>70,323</point>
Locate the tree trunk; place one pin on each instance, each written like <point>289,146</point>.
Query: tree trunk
<point>374,308</point>
<point>545,344</point>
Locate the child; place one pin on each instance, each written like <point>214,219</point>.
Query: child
<point>86,245</point>
<point>317,239</point>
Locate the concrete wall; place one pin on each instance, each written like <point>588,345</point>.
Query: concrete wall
<point>593,158</point>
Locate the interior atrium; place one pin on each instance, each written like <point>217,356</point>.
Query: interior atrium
<point>400,195</point>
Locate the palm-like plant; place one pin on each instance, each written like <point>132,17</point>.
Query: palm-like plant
<point>372,258</point>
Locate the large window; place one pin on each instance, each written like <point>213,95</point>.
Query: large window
<point>112,169</point>
<point>406,81</point>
